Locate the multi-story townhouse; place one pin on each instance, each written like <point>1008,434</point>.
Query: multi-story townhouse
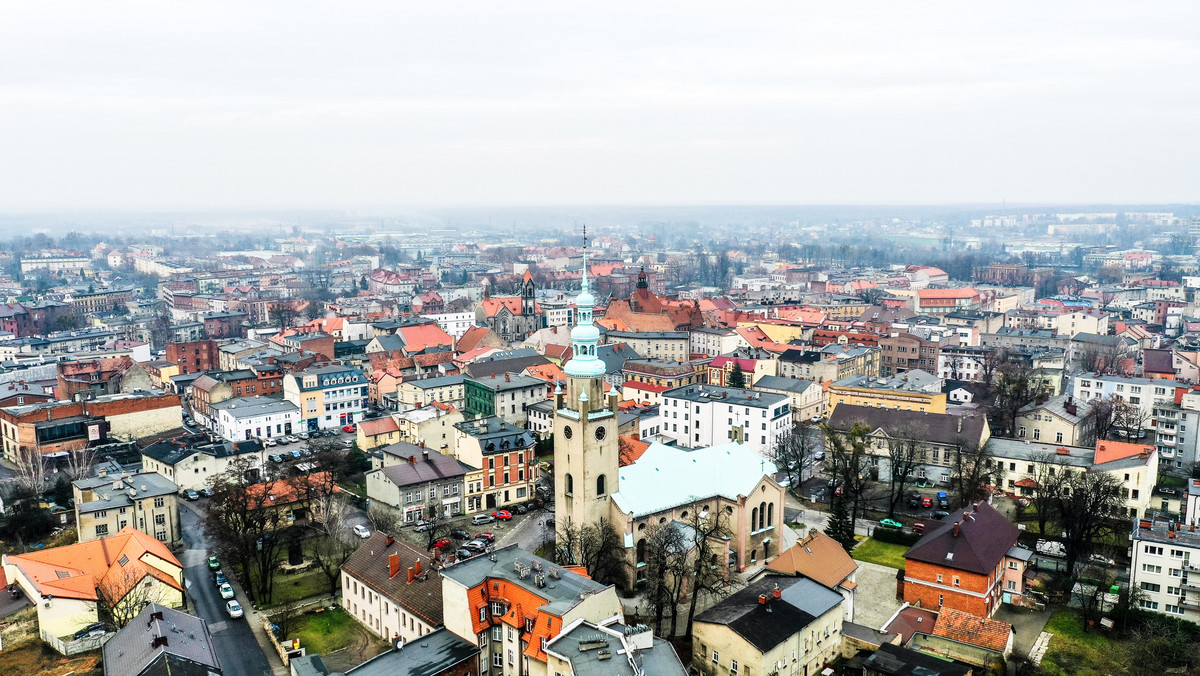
<point>913,390</point>
<point>108,502</point>
<point>425,391</point>
<point>422,485</point>
<point>245,418</point>
<point>501,455</point>
<point>1161,567</point>
<point>327,396</point>
<point>390,587</point>
<point>504,395</point>
<point>192,461</point>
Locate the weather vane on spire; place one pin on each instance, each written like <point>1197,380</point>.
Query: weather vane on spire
<point>585,236</point>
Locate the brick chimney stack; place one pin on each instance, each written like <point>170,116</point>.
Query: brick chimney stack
<point>393,565</point>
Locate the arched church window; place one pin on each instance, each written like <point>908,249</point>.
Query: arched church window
<point>570,484</point>
<point>600,481</point>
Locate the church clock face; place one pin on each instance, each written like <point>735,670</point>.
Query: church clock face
<point>601,432</point>
<point>568,432</point>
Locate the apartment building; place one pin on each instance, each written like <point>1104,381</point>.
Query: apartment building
<point>1161,567</point>
<point>705,415</point>
<point>327,396</point>
<point>501,457</point>
<point>504,395</point>
<point>108,502</point>
<point>422,485</point>
<point>389,587</point>
<point>245,418</point>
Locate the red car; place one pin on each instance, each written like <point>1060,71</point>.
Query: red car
<point>349,428</point>
<point>490,537</point>
<point>839,490</point>
<point>927,502</point>
<point>502,514</point>
<point>442,544</point>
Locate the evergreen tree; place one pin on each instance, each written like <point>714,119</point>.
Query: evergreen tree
<point>737,378</point>
<point>840,526</point>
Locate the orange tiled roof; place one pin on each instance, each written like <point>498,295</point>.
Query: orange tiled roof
<point>819,558</point>
<point>522,605</point>
<point>1107,451</point>
<point>422,336</point>
<point>630,449</point>
<point>291,490</point>
<point>471,338</point>
<point>491,306</point>
<point>75,571</point>
<point>972,629</point>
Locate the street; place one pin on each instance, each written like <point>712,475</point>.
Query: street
<point>237,647</point>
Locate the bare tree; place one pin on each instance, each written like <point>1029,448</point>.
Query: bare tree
<point>595,546</point>
<point>1016,384</point>
<point>903,441</point>
<point>1101,358</point>
<point>80,464</point>
<point>794,449</point>
<point>30,469</point>
<point>1049,473</point>
<point>709,537</point>
<point>1129,420</point>
<point>665,554</point>
<point>1089,507</point>
<point>383,519</point>
<point>1101,417</point>
<point>122,596</point>
<point>851,456</point>
<point>282,314</point>
<point>972,470</point>
<point>334,541</point>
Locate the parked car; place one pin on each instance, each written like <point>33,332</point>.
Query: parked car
<point>943,501</point>
<point>819,456</point>
<point>520,509</point>
<point>348,443</point>
<point>490,537</point>
<point>460,534</point>
<point>349,428</point>
<point>269,443</point>
<point>918,527</point>
<point>214,563</point>
<point>303,435</point>
<point>464,554</point>
<point>1051,548</point>
<point>839,490</point>
<point>282,441</point>
<point>1101,559</point>
<point>234,609</point>
<point>226,591</point>
<point>296,455</point>
<point>444,543</point>
<point>482,518</point>
<point>362,531</point>
<point>502,514</point>
<point>926,503</point>
<point>93,629</point>
<point>219,578</point>
<point>890,523</point>
<point>293,439</point>
<point>914,500</point>
<point>191,494</point>
<point>275,457</point>
<point>423,525</point>
<point>206,492</point>
<point>941,514</point>
<point>476,545</point>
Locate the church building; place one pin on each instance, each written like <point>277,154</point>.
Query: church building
<point>513,318</point>
<point>667,484</point>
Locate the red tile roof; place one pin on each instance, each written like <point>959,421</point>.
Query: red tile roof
<point>973,629</point>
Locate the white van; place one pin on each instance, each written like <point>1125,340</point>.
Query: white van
<point>482,518</point>
<point>1051,548</point>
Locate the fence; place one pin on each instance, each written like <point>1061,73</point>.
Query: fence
<point>75,646</point>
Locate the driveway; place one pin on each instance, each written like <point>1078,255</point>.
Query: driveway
<point>875,600</point>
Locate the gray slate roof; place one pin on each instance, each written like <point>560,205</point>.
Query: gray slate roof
<point>189,650</point>
<point>432,654</point>
<point>436,467</point>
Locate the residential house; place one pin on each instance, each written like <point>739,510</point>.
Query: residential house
<point>1059,420</point>
<point>1160,567</point>
<point>431,425</point>
<point>661,374</point>
<point>906,352</point>
<point>439,653</point>
<point>808,398</point>
<point>832,362</point>
<point>501,455</point>
<point>425,391</point>
<point>505,395</point>
<point>389,588</point>
<point>71,582</point>
<point>106,503</point>
<point>705,415</point>
<point>245,418</point>
<point>110,375</point>
<point>664,345</point>
<point>1135,466</point>
<point>585,648</point>
<point>194,357</point>
<point>720,369</point>
<point>961,562</point>
<point>178,644</point>
<point>893,660</point>
<point>774,625</point>
<point>422,485</point>
<point>935,439</point>
<point>192,461</point>
<point>822,559</point>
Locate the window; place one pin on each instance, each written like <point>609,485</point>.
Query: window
<point>497,659</point>
<point>1150,586</point>
<point>716,659</point>
<point>1149,605</point>
<point>1147,568</point>
<point>1150,549</point>
<point>102,529</point>
<point>158,502</point>
<point>497,608</point>
<point>733,666</point>
<point>160,519</point>
<point>497,633</point>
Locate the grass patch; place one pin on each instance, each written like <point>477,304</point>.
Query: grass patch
<point>299,586</point>
<point>1072,651</point>
<point>325,632</point>
<point>883,553</point>
<point>1173,481</point>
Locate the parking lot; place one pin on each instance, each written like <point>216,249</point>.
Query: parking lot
<point>498,528</point>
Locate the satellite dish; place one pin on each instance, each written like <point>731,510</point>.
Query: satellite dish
<point>398,644</point>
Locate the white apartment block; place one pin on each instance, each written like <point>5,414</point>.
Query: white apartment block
<point>245,418</point>
<point>453,323</point>
<point>698,416</point>
<point>716,342</point>
<point>1162,568</point>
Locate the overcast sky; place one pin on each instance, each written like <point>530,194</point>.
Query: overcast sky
<point>143,105</point>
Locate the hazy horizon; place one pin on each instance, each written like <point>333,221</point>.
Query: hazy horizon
<point>139,107</point>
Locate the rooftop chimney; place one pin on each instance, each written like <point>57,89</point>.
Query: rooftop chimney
<point>389,541</point>
<point>411,575</point>
<point>417,565</point>
<point>776,592</point>
<point>393,565</point>
<point>158,640</point>
<point>956,529</point>
<point>762,599</point>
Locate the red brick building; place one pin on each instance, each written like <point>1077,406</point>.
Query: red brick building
<point>194,356</point>
<point>967,561</point>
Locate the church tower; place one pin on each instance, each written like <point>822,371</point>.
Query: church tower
<point>528,295</point>
<point>586,452</point>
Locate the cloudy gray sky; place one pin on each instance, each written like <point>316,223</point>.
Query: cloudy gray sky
<point>211,104</point>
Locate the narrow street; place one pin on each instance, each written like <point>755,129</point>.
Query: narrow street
<point>238,642</point>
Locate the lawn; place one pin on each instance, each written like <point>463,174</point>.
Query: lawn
<point>1072,651</point>
<point>327,631</point>
<point>883,553</point>
<point>300,586</point>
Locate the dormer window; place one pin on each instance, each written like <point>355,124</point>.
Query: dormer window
<point>497,608</point>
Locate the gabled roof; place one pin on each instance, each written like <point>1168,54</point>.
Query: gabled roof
<point>188,647</point>
<point>666,476</point>
<point>434,468</point>
<point>973,629</point>
<point>371,428</point>
<point>369,564</point>
<point>75,571</point>
<point>974,541</point>
<point>766,625</point>
<point>818,557</point>
<point>942,428</point>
